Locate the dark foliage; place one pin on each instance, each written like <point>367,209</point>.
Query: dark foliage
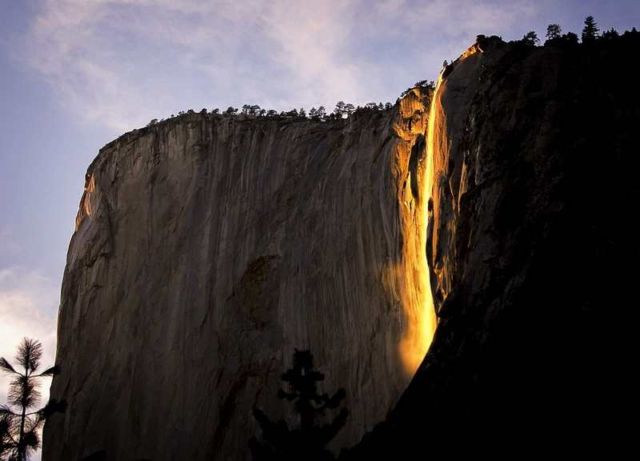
<point>531,38</point>
<point>5,436</point>
<point>590,35</point>
<point>610,34</point>
<point>342,111</point>
<point>570,38</point>
<point>20,421</point>
<point>308,440</point>
<point>317,114</point>
<point>553,31</point>
<point>590,31</point>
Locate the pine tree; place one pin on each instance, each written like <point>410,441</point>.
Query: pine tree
<point>590,31</point>
<point>19,422</point>
<point>308,441</point>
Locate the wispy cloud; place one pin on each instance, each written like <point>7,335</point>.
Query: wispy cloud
<point>123,62</point>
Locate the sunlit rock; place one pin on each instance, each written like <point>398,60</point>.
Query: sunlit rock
<point>207,248</point>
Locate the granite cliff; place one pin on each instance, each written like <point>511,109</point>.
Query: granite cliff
<point>208,247</point>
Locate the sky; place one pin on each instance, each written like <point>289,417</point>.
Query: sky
<point>75,74</point>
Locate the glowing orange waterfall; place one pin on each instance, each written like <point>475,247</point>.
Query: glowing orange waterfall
<point>418,301</point>
<point>419,309</point>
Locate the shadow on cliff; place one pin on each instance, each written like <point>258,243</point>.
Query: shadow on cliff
<point>533,356</point>
<point>307,441</point>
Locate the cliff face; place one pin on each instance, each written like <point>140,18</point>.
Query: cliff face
<point>533,164</point>
<point>207,248</point>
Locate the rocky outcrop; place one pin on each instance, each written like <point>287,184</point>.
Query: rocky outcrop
<point>533,157</point>
<point>208,247</point>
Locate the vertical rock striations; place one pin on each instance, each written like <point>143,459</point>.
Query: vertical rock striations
<point>207,248</point>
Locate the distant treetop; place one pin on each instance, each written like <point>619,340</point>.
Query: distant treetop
<point>590,34</point>
<point>590,31</point>
<point>531,38</point>
<point>553,31</point>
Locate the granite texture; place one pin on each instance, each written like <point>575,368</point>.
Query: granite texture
<point>208,247</point>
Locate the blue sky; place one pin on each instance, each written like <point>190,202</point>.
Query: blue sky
<point>75,74</point>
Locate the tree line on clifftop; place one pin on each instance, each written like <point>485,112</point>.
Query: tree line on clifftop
<point>590,34</point>
<point>591,37</point>
<point>342,110</point>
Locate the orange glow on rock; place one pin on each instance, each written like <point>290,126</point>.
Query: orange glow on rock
<point>419,308</point>
<point>418,302</point>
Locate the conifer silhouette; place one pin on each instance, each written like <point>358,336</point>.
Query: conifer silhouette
<point>20,422</point>
<point>590,31</point>
<point>308,441</point>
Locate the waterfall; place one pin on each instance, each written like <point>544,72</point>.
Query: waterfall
<point>420,312</point>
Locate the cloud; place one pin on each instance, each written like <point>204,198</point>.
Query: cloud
<point>312,46</point>
<point>123,62</point>
<point>28,303</point>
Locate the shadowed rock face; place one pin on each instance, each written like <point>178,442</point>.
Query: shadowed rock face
<point>535,160</point>
<point>208,248</point>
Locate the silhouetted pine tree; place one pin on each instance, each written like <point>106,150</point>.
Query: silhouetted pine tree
<point>590,31</point>
<point>19,422</point>
<point>308,441</point>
